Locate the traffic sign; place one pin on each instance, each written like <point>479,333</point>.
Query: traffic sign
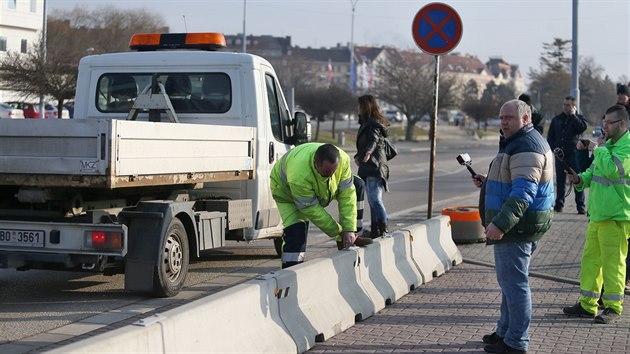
<point>437,28</point>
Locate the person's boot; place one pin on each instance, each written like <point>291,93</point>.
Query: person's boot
<point>381,230</point>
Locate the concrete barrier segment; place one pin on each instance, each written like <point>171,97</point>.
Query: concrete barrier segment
<point>241,319</point>
<point>439,232</point>
<point>128,339</point>
<point>429,264</point>
<point>387,269</point>
<point>324,298</point>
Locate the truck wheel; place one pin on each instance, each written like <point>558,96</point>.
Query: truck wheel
<point>277,244</point>
<point>172,269</point>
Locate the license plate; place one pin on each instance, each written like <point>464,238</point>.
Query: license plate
<point>28,238</point>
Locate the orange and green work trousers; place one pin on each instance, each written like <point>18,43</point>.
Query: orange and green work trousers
<point>603,263</point>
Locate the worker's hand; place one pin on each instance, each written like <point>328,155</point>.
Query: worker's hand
<point>584,144</point>
<point>367,157</point>
<point>479,180</point>
<point>348,238</point>
<point>601,141</point>
<point>575,179</point>
<point>493,232</point>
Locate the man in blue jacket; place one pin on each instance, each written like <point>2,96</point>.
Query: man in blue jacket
<point>518,209</point>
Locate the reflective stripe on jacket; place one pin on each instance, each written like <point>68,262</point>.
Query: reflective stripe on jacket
<point>294,180</point>
<point>608,178</point>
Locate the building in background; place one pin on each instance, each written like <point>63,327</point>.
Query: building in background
<point>20,29</point>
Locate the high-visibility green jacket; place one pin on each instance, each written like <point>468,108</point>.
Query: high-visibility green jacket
<point>608,178</point>
<point>301,193</point>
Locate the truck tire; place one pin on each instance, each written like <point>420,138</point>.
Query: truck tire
<point>172,269</point>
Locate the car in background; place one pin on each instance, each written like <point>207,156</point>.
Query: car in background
<point>30,110</point>
<point>393,115</point>
<point>7,111</point>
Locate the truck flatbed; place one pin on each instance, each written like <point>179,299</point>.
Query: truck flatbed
<point>111,153</point>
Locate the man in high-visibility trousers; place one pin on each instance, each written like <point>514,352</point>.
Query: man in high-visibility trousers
<point>303,182</point>
<point>606,247</point>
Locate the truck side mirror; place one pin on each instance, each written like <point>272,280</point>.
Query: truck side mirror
<point>301,128</point>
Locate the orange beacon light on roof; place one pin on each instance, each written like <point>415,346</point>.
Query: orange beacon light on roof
<point>155,41</point>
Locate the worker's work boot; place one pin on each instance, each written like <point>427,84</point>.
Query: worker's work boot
<point>363,241</point>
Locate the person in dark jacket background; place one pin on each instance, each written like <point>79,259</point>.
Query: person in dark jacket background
<point>537,119</point>
<point>371,160</point>
<point>564,132</point>
<point>518,210</point>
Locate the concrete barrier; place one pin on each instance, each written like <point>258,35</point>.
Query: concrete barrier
<point>428,263</point>
<point>241,319</point>
<point>290,310</point>
<point>128,339</point>
<point>441,241</point>
<point>324,298</point>
<point>387,269</point>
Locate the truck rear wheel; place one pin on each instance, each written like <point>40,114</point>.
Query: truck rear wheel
<point>170,274</point>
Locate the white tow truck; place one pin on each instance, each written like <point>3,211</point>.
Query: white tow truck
<point>169,154</point>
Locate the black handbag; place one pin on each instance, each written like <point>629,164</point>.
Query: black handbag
<point>389,148</point>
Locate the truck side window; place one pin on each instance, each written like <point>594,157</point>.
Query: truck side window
<point>188,92</point>
<point>278,115</point>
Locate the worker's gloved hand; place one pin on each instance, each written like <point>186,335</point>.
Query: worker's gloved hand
<point>347,240</point>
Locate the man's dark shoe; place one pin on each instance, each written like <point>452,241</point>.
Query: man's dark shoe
<point>577,310</point>
<point>557,209</point>
<point>501,347</point>
<point>600,304</point>
<point>492,338</point>
<point>363,241</point>
<point>608,316</point>
<point>581,211</point>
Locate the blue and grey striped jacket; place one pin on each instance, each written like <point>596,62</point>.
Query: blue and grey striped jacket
<point>519,191</point>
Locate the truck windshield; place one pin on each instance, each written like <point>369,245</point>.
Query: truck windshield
<point>188,92</point>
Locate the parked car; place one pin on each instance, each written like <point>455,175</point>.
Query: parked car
<point>7,111</point>
<point>30,110</point>
<point>393,116</point>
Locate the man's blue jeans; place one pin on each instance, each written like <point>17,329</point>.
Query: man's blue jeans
<point>374,189</point>
<point>512,267</point>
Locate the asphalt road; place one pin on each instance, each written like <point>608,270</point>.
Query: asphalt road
<point>34,302</point>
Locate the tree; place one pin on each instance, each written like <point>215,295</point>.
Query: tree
<point>406,81</point>
<point>490,102</point>
<point>597,92</point>
<point>320,102</point>
<point>554,57</point>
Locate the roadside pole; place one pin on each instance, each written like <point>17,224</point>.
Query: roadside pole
<point>436,29</point>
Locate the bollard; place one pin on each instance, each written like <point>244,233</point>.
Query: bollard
<point>465,223</point>
<point>342,138</point>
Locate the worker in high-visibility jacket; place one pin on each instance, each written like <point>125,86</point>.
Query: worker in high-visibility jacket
<point>303,182</point>
<point>606,247</point>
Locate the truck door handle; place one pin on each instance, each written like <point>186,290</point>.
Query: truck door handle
<point>272,152</point>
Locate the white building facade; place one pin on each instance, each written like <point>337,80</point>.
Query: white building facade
<point>21,23</point>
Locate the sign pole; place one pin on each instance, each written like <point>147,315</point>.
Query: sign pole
<point>436,29</point>
<point>433,134</point>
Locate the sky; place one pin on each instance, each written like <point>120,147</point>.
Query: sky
<point>512,29</point>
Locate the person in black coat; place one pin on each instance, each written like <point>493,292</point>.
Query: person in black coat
<point>371,160</point>
<point>564,131</point>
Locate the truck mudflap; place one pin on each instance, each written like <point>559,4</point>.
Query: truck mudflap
<point>159,251</point>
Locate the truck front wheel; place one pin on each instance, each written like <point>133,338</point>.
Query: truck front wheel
<point>172,269</point>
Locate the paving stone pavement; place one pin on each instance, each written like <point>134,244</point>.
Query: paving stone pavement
<point>451,313</point>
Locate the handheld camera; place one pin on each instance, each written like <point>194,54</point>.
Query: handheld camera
<point>465,160</point>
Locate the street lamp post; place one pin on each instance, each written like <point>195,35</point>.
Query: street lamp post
<point>42,112</point>
<point>352,73</point>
